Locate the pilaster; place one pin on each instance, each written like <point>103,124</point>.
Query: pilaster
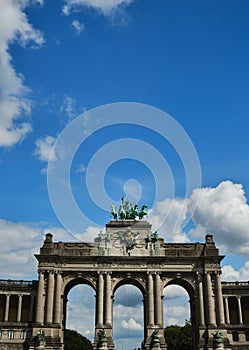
<point>40,299</point>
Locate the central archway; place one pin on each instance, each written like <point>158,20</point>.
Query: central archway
<point>128,317</point>
<point>128,298</point>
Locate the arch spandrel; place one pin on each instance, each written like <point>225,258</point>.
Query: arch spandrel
<point>185,282</point>
<point>69,282</point>
<point>134,280</point>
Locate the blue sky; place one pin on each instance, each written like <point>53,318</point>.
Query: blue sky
<point>188,59</point>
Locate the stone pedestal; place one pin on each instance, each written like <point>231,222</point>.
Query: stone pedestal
<point>103,345</point>
<point>156,345</point>
<point>41,345</point>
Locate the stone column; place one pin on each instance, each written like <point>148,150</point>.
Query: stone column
<point>239,311</point>
<point>227,311</point>
<point>210,300</point>
<point>57,308</point>
<point>100,300</point>
<point>19,310</point>
<point>201,305</point>
<point>219,301</point>
<point>162,315</point>
<point>158,302</point>
<point>40,300</point>
<point>50,297</point>
<point>7,308</point>
<point>31,310</point>
<point>150,300</point>
<point>108,300</point>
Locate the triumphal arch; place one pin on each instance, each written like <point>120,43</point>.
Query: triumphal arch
<point>127,252</point>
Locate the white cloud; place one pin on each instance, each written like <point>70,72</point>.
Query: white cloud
<point>44,149</point>
<point>132,325</point>
<point>68,106</point>
<point>106,7</point>
<point>90,233</point>
<point>176,314</point>
<point>19,241</point>
<point>230,274</point>
<point>223,211</point>
<point>167,217</point>
<point>174,291</point>
<point>78,26</point>
<point>122,311</point>
<point>14,104</point>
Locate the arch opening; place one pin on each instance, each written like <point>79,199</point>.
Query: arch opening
<point>80,310</point>
<point>128,317</point>
<point>175,305</point>
<point>180,309</point>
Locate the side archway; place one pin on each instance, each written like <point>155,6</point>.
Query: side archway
<point>79,305</point>
<point>185,292</point>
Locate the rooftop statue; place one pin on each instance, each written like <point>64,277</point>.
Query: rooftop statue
<point>128,211</point>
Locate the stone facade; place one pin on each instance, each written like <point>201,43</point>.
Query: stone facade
<point>128,252</point>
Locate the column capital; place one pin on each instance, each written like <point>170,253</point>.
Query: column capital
<point>199,276</point>
<point>105,272</point>
<point>217,272</point>
<point>208,273</point>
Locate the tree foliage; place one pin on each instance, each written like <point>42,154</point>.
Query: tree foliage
<point>179,338</point>
<point>75,341</point>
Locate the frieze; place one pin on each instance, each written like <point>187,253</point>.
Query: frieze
<point>90,278</point>
<point>105,265</point>
<point>212,265</point>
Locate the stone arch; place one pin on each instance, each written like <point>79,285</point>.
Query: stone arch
<point>74,281</point>
<point>189,286</point>
<point>69,284</point>
<point>183,282</point>
<point>129,280</point>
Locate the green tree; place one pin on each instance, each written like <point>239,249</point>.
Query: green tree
<point>75,341</point>
<point>179,338</point>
